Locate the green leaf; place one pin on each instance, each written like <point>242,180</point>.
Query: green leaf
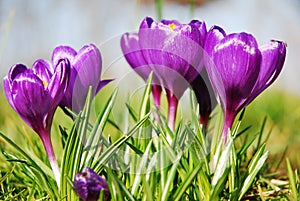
<point>148,194</point>
<point>187,182</point>
<point>98,164</point>
<point>170,180</point>
<point>256,158</point>
<point>204,185</point>
<point>121,185</point>
<point>141,170</point>
<point>93,142</point>
<point>261,133</point>
<point>115,190</point>
<point>3,178</point>
<point>217,189</point>
<point>134,148</point>
<point>223,163</point>
<point>39,173</point>
<point>254,167</point>
<point>145,102</point>
<point>73,150</point>
<point>245,146</point>
<point>132,113</point>
<point>292,180</point>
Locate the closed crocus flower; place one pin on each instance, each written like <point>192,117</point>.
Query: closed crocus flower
<point>35,94</point>
<point>240,70</point>
<point>87,185</point>
<point>205,97</point>
<point>133,54</point>
<point>173,51</point>
<point>86,67</point>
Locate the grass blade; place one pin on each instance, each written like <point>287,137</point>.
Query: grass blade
<point>97,166</point>
<point>292,180</point>
<point>187,182</point>
<point>255,166</point>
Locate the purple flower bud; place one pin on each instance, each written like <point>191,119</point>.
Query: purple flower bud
<point>205,97</point>
<point>133,54</point>
<point>87,184</point>
<point>86,67</point>
<point>240,70</point>
<point>35,94</point>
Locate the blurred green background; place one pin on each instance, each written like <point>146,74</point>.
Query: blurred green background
<point>31,29</point>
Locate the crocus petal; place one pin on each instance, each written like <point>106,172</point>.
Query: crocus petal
<point>62,52</point>
<point>31,100</point>
<point>146,23</point>
<point>102,84</point>
<point>59,83</point>
<point>213,37</point>
<point>202,29</point>
<point>133,54</point>
<point>15,70</point>
<point>88,65</point>
<point>43,69</point>
<point>7,90</point>
<point>85,72</point>
<point>273,56</point>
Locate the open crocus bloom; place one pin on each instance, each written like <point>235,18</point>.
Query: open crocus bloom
<point>35,94</point>
<point>86,67</point>
<point>239,70</point>
<point>173,51</point>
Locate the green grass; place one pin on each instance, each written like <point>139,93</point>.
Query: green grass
<point>190,164</point>
<point>282,111</point>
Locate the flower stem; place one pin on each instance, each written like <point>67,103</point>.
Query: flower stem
<point>46,139</point>
<point>172,110</point>
<point>204,121</point>
<point>228,122</point>
<point>156,92</point>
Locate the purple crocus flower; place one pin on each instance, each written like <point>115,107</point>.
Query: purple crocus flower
<point>173,51</point>
<point>35,94</point>
<point>205,98</point>
<point>240,70</point>
<point>86,67</point>
<point>87,184</point>
<point>133,54</point>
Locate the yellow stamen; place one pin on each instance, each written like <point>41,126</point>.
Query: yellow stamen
<point>172,26</point>
<point>43,81</point>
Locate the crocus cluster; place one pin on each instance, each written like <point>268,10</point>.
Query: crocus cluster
<point>173,51</point>
<point>238,69</point>
<point>35,93</point>
<point>87,184</point>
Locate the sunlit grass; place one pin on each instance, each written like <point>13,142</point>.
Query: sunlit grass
<point>275,111</point>
<point>282,110</point>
